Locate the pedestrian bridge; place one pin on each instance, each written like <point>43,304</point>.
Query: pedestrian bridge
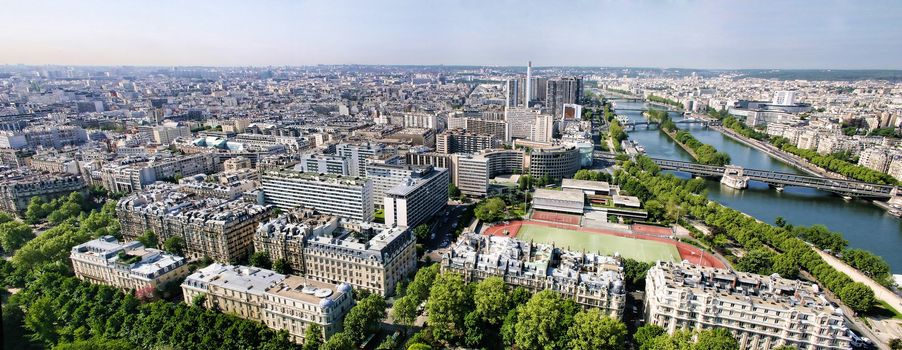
<point>650,124</point>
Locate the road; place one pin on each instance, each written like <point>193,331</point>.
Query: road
<point>886,329</point>
<point>443,226</point>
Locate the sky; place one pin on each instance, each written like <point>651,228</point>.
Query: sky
<point>822,34</point>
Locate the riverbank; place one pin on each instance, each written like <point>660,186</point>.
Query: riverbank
<point>787,158</point>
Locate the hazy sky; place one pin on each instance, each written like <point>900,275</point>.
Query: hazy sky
<point>693,34</point>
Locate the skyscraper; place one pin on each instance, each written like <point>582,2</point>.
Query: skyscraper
<point>562,91</point>
<point>528,92</point>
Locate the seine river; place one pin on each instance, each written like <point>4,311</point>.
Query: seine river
<point>863,224</point>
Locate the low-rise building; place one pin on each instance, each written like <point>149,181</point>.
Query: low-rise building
<point>762,312</point>
<point>128,266</point>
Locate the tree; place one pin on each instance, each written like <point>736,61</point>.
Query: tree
<point>13,235</point>
<point>405,310</point>
<point>593,330</point>
<point>490,297</point>
<point>780,221</point>
<point>364,318</point>
<point>261,260</point>
<point>542,322</point>
<point>895,344</point>
<point>786,266</point>
<point>634,272</point>
<point>716,339</point>
<point>490,210</point>
<point>473,330</point>
<point>174,245</point>
<point>35,211</point>
<point>857,296</point>
<point>421,232</point>
<point>422,282</point>
<point>96,344</point>
<point>281,266</point>
<point>758,261</point>
<point>453,191</point>
<point>646,333</point>
<point>449,302</point>
<point>339,341</point>
<point>313,337</point>
<point>149,239</point>
<point>419,346</point>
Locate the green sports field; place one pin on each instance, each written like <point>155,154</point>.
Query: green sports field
<point>638,249</point>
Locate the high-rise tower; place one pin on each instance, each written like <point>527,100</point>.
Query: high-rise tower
<point>528,92</point>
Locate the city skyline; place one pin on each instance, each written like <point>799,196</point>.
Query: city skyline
<point>684,34</point>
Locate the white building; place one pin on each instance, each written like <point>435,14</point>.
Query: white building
<point>784,98</point>
<point>762,312</point>
<point>520,121</point>
<point>168,132</point>
<point>417,197</point>
<point>282,302</point>
<point>330,194</point>
<point>127,266</point>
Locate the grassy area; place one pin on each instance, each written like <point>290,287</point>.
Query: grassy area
<point>881,308</point>
<point>379,216</point>
<point>642,250</point>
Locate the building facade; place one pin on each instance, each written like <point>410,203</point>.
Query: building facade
<point>127,266</point>
<point>330,194</point>
<point>589,280</point>
<point>762,312</point>
<point>417,198</point>
<point>282,302</point>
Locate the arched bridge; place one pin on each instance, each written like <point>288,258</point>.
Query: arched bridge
<point>777,179</point>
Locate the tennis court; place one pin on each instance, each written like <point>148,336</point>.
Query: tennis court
<point>633,248</point>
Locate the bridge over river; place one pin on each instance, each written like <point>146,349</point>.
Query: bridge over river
<point>738,177</point>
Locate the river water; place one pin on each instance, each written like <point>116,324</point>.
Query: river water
<point>865,225</point>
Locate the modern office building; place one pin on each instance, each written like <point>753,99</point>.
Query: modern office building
<point>417,197</point>
<point>438,160</point>
<point>330,194</point>
<point>282,302</point>
<point>359,154</point>
<point>542,129</point>
<point>210,227</point>
<point>48,136</point>
<point>592,281</point>
<point>135,173</point>
<point>556,162</point>
<point>762,312</point>
<point>128,266</point>
<point>461,141</point>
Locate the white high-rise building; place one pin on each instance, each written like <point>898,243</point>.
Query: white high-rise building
<point>329,194</point>
<point>417,198</point>
<point>528,92</point>
<point>520,121</point>
<point>542,129</point>
<point>784,98</point>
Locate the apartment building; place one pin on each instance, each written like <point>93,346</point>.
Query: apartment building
<point>474,171</point>
<point>762,312</point>
<point>282,302</point>
<point>134,174</point>
<point>213,227</point>
<point>556,162</point>
<point>128,266</point>
<point>419,196</point>
<point>18,186</point>
<point>461,141</point>
<point>331,194</point>
<point>329,249</point>
<point>588,279</point>
<point>325,164</point>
